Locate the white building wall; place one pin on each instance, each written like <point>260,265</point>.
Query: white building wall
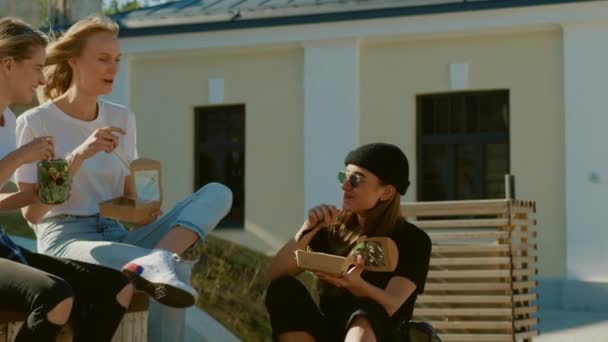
<point>331,116</point>
<point>586,124</point>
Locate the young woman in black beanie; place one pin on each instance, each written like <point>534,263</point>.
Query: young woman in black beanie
<point>360,305</point>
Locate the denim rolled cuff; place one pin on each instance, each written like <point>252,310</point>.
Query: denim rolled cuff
<point>192,227</point>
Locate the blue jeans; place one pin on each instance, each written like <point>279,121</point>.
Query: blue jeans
<point>104,241</point>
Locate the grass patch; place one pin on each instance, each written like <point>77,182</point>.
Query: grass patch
<point>230,280</point>
<point>14,224</point>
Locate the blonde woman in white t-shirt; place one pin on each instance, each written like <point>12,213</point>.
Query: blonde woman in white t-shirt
<point>92,133</point>
<point>49,289</point>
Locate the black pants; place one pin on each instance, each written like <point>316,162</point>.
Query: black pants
<point>38,287</point>
<point>291,308</point>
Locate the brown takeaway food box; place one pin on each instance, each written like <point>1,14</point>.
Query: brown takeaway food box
<point>146,181</point>
<point>380,254</point>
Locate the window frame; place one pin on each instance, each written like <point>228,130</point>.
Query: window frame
<point>479,139</point>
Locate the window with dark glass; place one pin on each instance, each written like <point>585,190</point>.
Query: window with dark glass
<point>463,145</point>
<point>220,154</point>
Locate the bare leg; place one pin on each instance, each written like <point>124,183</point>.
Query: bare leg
<point>61,312</point>
<point>125,295</point>
<point>360,331</point>
<point>178,239</point>
<point>296,336</point>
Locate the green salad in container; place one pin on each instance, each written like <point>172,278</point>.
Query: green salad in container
<point>53,181</point>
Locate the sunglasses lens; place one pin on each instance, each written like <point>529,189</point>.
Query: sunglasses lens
<point>341,177</point>
<point>354,181</point>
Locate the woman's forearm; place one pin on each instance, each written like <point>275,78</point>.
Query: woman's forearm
<point>75,160</point>
<point>17,200</point>
<point>8,166</point>
<point>284,262</point>
<point>36,211</point>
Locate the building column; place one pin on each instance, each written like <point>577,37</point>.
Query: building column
<point>586,177</point>
<point>331,115</point>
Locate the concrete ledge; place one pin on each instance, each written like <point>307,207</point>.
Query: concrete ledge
<point>572,295</point>
<point>585,296</point>
<point>550,293</point>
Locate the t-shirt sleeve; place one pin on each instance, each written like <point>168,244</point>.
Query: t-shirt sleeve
<point>414,256</point>
<point>26,173</point>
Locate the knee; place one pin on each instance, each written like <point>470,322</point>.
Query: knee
<point>279,291</point>
<point>124,296</point>
<point>57,291</point>
<point>221,194</point>
<point>60,314</point>
<point>360,330</point>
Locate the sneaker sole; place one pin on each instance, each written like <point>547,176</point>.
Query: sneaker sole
<point>163,293</point>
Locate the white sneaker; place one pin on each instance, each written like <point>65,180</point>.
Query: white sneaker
<point>155,274</point>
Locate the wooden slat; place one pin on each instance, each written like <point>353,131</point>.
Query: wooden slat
<point>480,325</point>
<point>437,261</point>
<point>525,310</point>
<point>416,208</point>
<point>523,234</point>
<point>525,272</point>
<point>524,260</point>
<point>502,286</point>
<point>13,329</point>
<point>522,323</point>
<point>524,247</point>
<point>468,223</point>
<point>118,334</point>
<point>523,222</point>
<point>442,212</point>
<point>128,331</point>
<point>494,235</point>
<point>469,274</point>
<point>525,297</point>
<point>494,312</point>
<point>527,334</point>
<point>470,248</point>
<point>3,332</point>
<point>425,299</point>
<point>520,285</point>
<point>140,329</point>
<point>476,337</point>
<point>523,211</point>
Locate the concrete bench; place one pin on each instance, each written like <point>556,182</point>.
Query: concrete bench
<point>133,328</point>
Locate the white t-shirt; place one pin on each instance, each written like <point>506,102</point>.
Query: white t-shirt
<point>101,177</point>
<point>7,136</point>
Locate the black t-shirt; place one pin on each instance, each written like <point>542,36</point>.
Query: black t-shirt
<point>414,247</point>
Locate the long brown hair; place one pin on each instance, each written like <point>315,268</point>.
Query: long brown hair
<point>58,72</point>
<point>17,39</point>
<point>379,221</point>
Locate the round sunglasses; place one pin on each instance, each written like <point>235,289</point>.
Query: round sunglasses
<point>353,179</point>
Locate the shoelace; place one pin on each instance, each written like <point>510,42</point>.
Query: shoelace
<point>170,258</point>
<point>176,257</point>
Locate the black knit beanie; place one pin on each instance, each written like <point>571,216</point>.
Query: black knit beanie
<point>386,161</point>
